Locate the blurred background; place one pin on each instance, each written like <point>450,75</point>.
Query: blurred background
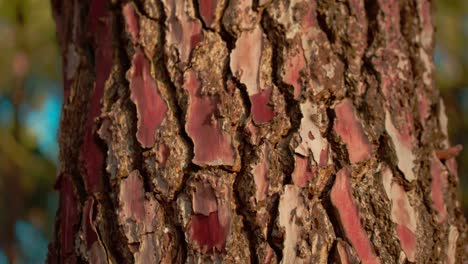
<point>30,104</point>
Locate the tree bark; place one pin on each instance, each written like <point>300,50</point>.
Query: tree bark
<point>253,131</point>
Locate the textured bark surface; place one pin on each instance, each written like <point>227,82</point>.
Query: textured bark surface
<point>241,131</point>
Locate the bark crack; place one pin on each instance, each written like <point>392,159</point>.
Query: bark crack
<point>277,36</point>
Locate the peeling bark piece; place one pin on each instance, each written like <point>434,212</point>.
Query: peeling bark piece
<point>165,163</point>
<point>424,106</point>
<point>204,199</point>
<point>143,31</point>
<point>402,214</point>
<point>295,66</point>
<point>213,110</point>
<point>262,112</point>
<point>407,241</point>
<point>270,256</point>
<point>452,245</point>
<point>426,39</point>
<point>323,68</point>
<point>245,59</point>
<point>207,9</point>
<point>311,137</point>
<point>208,232</point>
<point>131,21</point>
<point>308,234</point>
<point>135,206</point>
<point>443,122</point>
<point>91,155</point>
<point>452,167</point>
<point>211,12</point>
<point>93,161</point>
<point>303,171</point>
<point>69,218</point>
<point>349,128</point>
<point>344,254</point>
<point>211,145</point>
<point>403,150</point>
<point>132,209</point>
<point>183,31</point>
<point>258,190</point>
<point>159,247</point>
<point>163,154</point>
<point>343,201</point>
<point>252,130</point>
<point>259,171</point>
<point>439,186</point>
<point>209,217</point>
<point>158,127</point>
<point>93,250</point>
<point>448,153</point>
<point>143,222</point>
<point>290,208</point>
<point>151,108</point>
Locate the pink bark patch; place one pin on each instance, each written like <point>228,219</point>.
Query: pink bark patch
<point>423,107</point>
<point>151,108</point>
<point>342,200</point>
<point>184,31</point>
<point>98,9</point>
<point>253,131</point>
<point>438,187</point>
<point>245,59</point>
<point>163,154</point>
<point>207,231</point>
<point>132,196</point>
<point>349,128</point>
<point>342,253</point>
<point>303,172</point>
<point>294,65</point>
<point>207,9</point>
<point>445,154</point>
<point>90,154</point>
<point>405,131</point>
<point>89,228</point>
<point>308,20</point>
<point>402,212</point>
<point>259,172</point>
<point>323,157</point>
<point>407,241</point>
<point>452,166</point>
<point>262,112</point>
<point>131,21</point>
<point>403,149</point>
<point>204,199</point>
<point>425,15</point>
<point>269,255</point>
<point>69,216</point>
<point>211,145</point>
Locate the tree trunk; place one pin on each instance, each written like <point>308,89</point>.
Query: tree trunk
<point>253,131</point>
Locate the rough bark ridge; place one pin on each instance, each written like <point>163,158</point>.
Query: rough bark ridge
<point>293,131</point>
